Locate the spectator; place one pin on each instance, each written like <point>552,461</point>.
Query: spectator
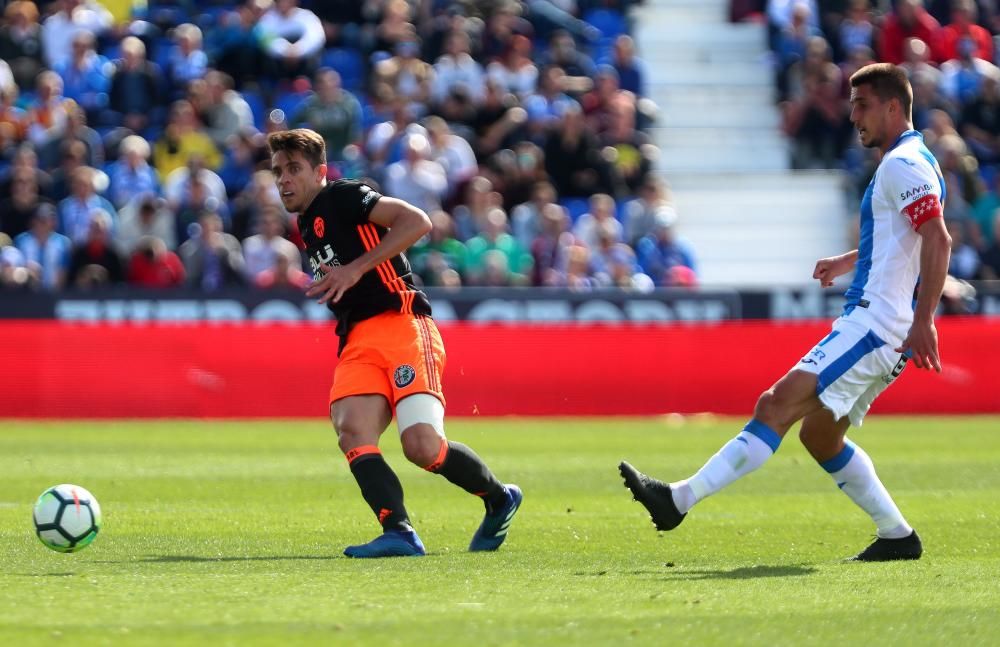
<point>964,262</point>
<point>86,76</point>
<point>456,69</point>
<point>76,130</point>
<point>135,89</point>
<point>502,24</point>
<point>77,212</point>
<point>546,105</point>
<point>394,27</point>
<point>152,265</point>
<point>21,42</point>
<point>983,211</point>
<point>252,202</point>
<point>13,124</point>
<point>816,116</point>
<point>980,122</point>
<point>14,272</point>
<point>497,123</point>
<point>990,268</point>
<point>630,152</point>
<point>46,252</point>
<point>573,159</point>
<point>962,78</point>
<point>131,175</point>
<point>526,218</point>
<point>514,71</point>
<point>793,45</point>
<point>17,211</point>
<point>95,259</point>
<point>70,18</point>
<point>857,29</point>
<point>187,60</point>
<point>182,139</point>
<point>600,216</point>
<point>291,38</point>
<point>438,252</point>
<point>631,70</point>
<point>515,173</point>
<point>563,53</point>
<point>224,113</point>
<point>577,276</point>
<point>212,259</point>
<point>550,248</point>
<point>283,275</point>
<point>49,112</point>
<point>407,75</point>
<point>145,216</point>
<point>243,155</point>
<point>260,251</point>
<point>917,63</point>
<point>332,112</point>
<point>640,214</point>
<point>908,20</point>
<point>482,269</point>
<point>233,44</point>
<point>452,152</point>
<point>598,104</point>
<point>417,179</point>
<point>195,197</point>
<point>478,200</point>
<point>74,156</point>
<point>951,38</point>
<point>661,251</point>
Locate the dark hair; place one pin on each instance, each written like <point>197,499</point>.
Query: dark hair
<point>887,81</point>
<point>308,142</point>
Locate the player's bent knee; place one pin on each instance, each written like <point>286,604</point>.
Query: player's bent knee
<point>421,444</point>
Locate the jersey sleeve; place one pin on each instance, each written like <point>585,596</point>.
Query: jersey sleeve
<point>356,201</point>
<point>914,188</point>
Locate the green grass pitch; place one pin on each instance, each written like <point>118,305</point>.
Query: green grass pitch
<point>219,533</point>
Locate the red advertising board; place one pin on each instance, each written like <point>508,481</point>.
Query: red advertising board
<point>60,370</point>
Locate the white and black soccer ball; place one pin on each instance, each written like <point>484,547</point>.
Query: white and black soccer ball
<point>67,518</point>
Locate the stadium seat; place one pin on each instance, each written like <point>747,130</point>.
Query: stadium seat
<point>576,207</point>
<point>609,22</point>
<point>348,64</point>
<point>289,102</point>
<point>256,103</point>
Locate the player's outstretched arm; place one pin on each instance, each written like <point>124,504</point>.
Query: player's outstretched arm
<point>830,268</point>
<point>406,225</point>
<point>935,252</point>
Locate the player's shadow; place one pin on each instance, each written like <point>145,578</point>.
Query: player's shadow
<point>743,573</point>
<point>173,559</point>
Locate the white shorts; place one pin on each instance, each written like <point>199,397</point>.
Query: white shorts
<point>853,365</point>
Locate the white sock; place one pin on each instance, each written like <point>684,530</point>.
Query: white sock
<point>854,473</point>
<point>740,456</point>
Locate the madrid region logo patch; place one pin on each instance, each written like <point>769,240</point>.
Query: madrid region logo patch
<point>404,376</point>
<point>319,227</point>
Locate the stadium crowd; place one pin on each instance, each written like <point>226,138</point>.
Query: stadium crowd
<point>948,49</point>
<point>132,139</point>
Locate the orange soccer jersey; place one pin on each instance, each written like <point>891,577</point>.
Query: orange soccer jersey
<point>393,354</point>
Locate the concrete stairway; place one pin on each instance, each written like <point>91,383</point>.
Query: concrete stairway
<point>752,220</point>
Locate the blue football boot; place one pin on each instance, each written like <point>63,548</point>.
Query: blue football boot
<point>493,530</point>
<point>391,543</point>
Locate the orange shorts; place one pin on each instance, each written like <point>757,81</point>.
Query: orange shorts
<point>392,354</point>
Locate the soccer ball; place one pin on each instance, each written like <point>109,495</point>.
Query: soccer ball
<point>67,518</point>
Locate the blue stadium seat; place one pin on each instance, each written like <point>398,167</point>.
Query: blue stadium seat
<point>610,23</point>
<point>289,102</point>
<point>575,206</point>
<point>256,103</point>
<point>348,64</point>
